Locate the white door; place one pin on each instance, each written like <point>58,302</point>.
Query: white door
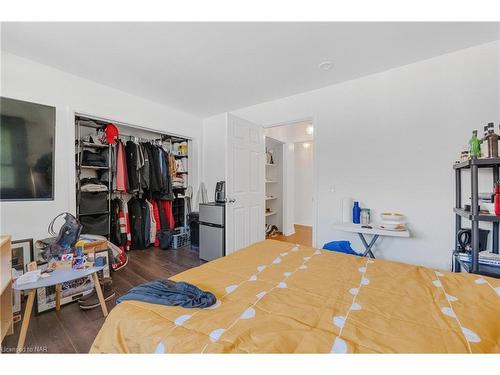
<point>244,184</point>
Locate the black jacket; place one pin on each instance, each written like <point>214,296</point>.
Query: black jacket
<point>132,172</point>
<point>136,218</point>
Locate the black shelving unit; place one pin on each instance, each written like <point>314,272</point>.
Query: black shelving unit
<point>474,215</point>
<point>80,146</point>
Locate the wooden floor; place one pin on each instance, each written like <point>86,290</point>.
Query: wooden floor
<point>72,330</point>
<point>302,236</point>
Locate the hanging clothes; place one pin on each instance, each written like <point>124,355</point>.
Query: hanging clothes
<point>167,224</point>
<point>167,208</point>
<point>143,170</point>
<point>125,223</point>
<point>168,192</point>
<point>121,168</point>
<point>146,223</point>
<point>152,219</point>
<point>113,165</point>
<point>163,170</point>
<point>145,174</point>
<point>156,215</point>
<point>118,225</point>
<point>154,170</point>
<point>140,165</point>
<point>132,163</point>
<point>136,224</point>
<point>115,233</point>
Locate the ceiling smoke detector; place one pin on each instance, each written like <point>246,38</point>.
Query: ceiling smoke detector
<point>326,65</point>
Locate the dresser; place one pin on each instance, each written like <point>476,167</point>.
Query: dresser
<point>6,322</point>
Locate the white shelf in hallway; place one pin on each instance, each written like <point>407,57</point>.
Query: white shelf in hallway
<point>270,213</point>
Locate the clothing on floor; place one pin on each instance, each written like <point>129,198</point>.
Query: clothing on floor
<point>170,293</point>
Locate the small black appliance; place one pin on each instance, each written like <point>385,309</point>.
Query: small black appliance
<point>220,192</point>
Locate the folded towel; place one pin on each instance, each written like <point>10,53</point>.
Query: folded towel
<point>170,293</point>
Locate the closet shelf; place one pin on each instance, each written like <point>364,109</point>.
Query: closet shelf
<point>271,198</point>
<point>93,145</point>
<point>270,182</point>
<point>480,217</point>
<point>270,165</point>
<point>270,213</point>
<point>94,213</point>
<point>92,167</point>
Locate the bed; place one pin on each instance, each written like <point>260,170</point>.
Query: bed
<point>277,297</point>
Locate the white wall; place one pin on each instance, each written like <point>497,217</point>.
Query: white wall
<point>303,197</point>
<point>27,80</point>
<point>214,163</point>
<point>389,140</point>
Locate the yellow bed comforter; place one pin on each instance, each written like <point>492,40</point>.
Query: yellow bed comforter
<point>276,297</point>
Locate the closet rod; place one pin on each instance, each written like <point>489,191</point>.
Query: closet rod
<point>92,117</point>
<point>147,139</point>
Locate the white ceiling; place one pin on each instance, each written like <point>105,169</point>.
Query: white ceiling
<point>209,68</point>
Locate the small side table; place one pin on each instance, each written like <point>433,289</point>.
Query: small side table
<point>57,277</point>
<point>376,232</point>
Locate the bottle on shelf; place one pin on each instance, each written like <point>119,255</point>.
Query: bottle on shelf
<point>356,212</point>
<point>492,140</point>
<point>474,146</point>
<point>497,198</point>
<point>484,143</point>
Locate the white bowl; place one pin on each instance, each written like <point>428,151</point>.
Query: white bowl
<point>392,217</point>
<point>392,226</point>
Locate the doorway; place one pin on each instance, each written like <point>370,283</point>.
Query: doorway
<point>289,212</point>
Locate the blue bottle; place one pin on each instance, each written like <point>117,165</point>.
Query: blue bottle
<point>356,213</point>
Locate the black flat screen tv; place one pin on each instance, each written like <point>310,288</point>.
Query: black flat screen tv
<point>27,133</point>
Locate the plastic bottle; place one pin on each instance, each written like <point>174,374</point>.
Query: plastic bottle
<point>356,212</point>
<point>484,143</point>
<point>474,146</point>
<point>492,140</point>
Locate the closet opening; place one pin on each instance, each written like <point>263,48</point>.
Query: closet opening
<point>133,188</point>
<point>289,182</point>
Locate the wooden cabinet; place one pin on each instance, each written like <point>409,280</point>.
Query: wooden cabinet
<point>6,322</point>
